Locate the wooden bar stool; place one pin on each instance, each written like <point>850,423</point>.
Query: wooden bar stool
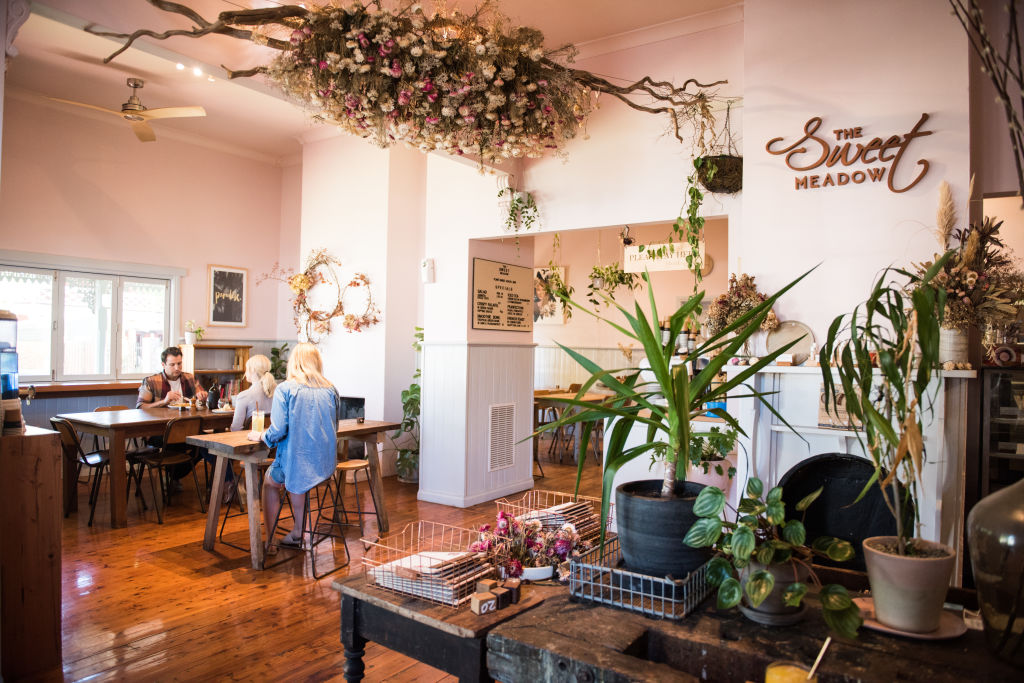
<point>341,471</point>
<point>314,533</point>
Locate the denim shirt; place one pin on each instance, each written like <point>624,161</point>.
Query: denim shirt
<point>304,427</point>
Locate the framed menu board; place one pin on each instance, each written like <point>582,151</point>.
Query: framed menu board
<point>502,296</point>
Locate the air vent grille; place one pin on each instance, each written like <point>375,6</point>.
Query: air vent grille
<point>501,453</point>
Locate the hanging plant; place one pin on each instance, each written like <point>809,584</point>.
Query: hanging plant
<point>552,280</point>
<point>604,280</point>
<point>522,210</point>
<point>722,172</point>
<point>464,83</point>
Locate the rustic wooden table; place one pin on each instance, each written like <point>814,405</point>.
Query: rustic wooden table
<point>448,639</point>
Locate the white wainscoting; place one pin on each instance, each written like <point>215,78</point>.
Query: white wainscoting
<point>443,423</point>
<point>554,368</point>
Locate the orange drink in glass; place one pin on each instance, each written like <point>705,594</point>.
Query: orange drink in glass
<point>257,421</point>
<point>788,672</point>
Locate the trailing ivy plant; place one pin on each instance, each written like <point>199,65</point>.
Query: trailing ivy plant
<point>759,537</point>
<point>555,287</point>
<point>522,210</point>
<point>408,461</point>
<point>604,280</point>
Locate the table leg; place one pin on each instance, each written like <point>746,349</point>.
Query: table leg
<point>118,480</point>
<point>252,488</point>
<point>373,443</point>
<point>354,643</point>
<point>213,510</point>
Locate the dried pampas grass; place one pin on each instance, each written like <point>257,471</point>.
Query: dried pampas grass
<point>946,217</point>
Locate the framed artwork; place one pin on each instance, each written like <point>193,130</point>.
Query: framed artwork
<point>227,296</point>
<point>547,310</point>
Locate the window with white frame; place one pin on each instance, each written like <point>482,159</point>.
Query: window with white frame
<point>76,325</point>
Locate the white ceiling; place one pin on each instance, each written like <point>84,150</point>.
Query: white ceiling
<point>56,58</point>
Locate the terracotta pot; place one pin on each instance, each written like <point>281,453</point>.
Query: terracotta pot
<point>908,591</point>
<point>651,529</point>
<point>713,478</point>
<point>774,611</point>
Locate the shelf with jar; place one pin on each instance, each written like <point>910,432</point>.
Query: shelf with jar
<point>1002,445</point>
<point>223,363</point>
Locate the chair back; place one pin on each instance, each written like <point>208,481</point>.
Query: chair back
<point>835,513</point>
<point>573,388</point>
<point>105,409</point>
<point>68,437</point>
<point>180,427</point>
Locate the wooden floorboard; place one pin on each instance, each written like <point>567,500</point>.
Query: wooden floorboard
<point>148,603</point>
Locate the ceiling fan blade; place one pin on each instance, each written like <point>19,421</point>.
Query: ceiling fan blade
<point>87,106</point>
<point>143,131</point>
<point>172,112</point>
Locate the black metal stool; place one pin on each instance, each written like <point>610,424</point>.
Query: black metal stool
<point>326,526</point>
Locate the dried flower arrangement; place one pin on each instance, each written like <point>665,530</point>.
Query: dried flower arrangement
<point>316,323</point>
<point>463,83</point>
<point>741,297</point>
<point>517,544</point>
<point>981,282</point>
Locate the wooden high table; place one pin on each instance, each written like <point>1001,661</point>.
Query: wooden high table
<point>237,446</point>
<point>120,425</point>
<point>556,401</point>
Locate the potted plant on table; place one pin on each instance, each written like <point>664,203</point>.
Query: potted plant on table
<point>653,516</point>
<point>763,558</point>
<point>898,327</point>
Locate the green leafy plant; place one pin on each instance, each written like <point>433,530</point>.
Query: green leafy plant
<point>279,361</point>
<point>712,449</point>
<point>760,536</point>
<point>555,287</point>
<point>522,210</point>
<point>408,461</point>
<point>897,326</point>
<point>667,405</point>
<point>604,280</point>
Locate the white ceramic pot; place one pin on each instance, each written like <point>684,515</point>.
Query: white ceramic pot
<point>537,573</point>
<point>190,338</point>
<point>952,345</point>
<point>908,591</point>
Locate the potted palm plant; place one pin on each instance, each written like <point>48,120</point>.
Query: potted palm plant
<point>897,327</point>
<point>653,516</point>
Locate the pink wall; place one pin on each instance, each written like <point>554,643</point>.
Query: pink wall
<point>74,186</point>
<point>579,254</point>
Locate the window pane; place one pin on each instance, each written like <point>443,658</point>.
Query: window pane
<point>30,296</point>
<point>143,312</point>
<point>87,325</point>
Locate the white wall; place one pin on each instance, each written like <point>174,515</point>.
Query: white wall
<point>854,64</point>
<point>288,246</point>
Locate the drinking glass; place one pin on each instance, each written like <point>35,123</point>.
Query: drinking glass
<point>788,672</point>
<point>257,421</point>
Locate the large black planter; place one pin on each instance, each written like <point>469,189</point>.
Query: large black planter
<point>651,528</point>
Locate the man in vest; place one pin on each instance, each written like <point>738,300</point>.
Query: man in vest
<point>157,391</point>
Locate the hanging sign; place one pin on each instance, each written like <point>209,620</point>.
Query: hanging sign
<point>502,296</point>
<point>652,257</point>
<point>844,147</point>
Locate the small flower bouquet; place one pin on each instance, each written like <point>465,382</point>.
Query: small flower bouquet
<point>741,297</point>
<point>519,544</point>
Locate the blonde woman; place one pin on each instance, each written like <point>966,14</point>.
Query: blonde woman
<point>304,428</point>
<point>256,397</point>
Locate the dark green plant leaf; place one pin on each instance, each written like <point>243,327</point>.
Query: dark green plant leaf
<point>755,487</point>
<point>839,551</point>
<point>710,502</point>
<point>759,587</point>
<point>808,499</point>
<point>742,542</point>
<point>749,505</point>
<point>794,593</point>
<point>729,593</point>
<point>845,622</point>
<point>765,554</point>
<point>794,532</point>
<point>748,520</point>
<point>835,597</point>
<point>776,513</point>
<point>822,543</point>
<point>704,533</point>
<point>775,495</point>
<point>718,571</point>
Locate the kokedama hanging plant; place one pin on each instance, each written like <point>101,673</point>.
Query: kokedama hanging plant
<point>462,83</point>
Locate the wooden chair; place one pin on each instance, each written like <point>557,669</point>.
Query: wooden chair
<point>173,452</point>
<point>97,460</point>
<point>132,456</point>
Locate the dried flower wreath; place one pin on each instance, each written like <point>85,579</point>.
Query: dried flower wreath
<point>316,323</point>
<point>462,83</point>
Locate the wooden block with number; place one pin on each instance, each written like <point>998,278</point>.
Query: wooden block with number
<point>504,596</point>
<point>482,603</point>
<point>486,585</point>
<point>514,586</point>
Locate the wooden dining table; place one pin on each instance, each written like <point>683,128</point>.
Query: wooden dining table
<point>237,446</point>
<point>117,426</point>
<point>542,401</point>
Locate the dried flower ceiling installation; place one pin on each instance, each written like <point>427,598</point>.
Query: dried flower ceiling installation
<point>452,81</point>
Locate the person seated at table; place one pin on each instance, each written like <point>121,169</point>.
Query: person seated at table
<point>169,385</point>
<point>256,397</point>
<point>304,428</point>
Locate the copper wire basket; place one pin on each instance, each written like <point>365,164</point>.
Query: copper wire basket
<point>536,501</point>
<point>429,561</point>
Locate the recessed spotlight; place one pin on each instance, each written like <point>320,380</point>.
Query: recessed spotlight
<point>197,71</point>
<point>211,79</point>
<point>179,66</point>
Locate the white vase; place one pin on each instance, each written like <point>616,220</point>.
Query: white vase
<point>952,345</point>
<point>190,338</point>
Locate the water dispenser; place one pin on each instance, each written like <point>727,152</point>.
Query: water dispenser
<point>8,355</point>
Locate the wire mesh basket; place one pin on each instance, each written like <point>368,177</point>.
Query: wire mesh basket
<point>555,509</point>
<point>427,560</point>
<point>597,576</point>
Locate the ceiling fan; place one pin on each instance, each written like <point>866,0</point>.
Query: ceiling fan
<point>136,114</point>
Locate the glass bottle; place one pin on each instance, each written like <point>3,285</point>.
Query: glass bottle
<point>213,395</point>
